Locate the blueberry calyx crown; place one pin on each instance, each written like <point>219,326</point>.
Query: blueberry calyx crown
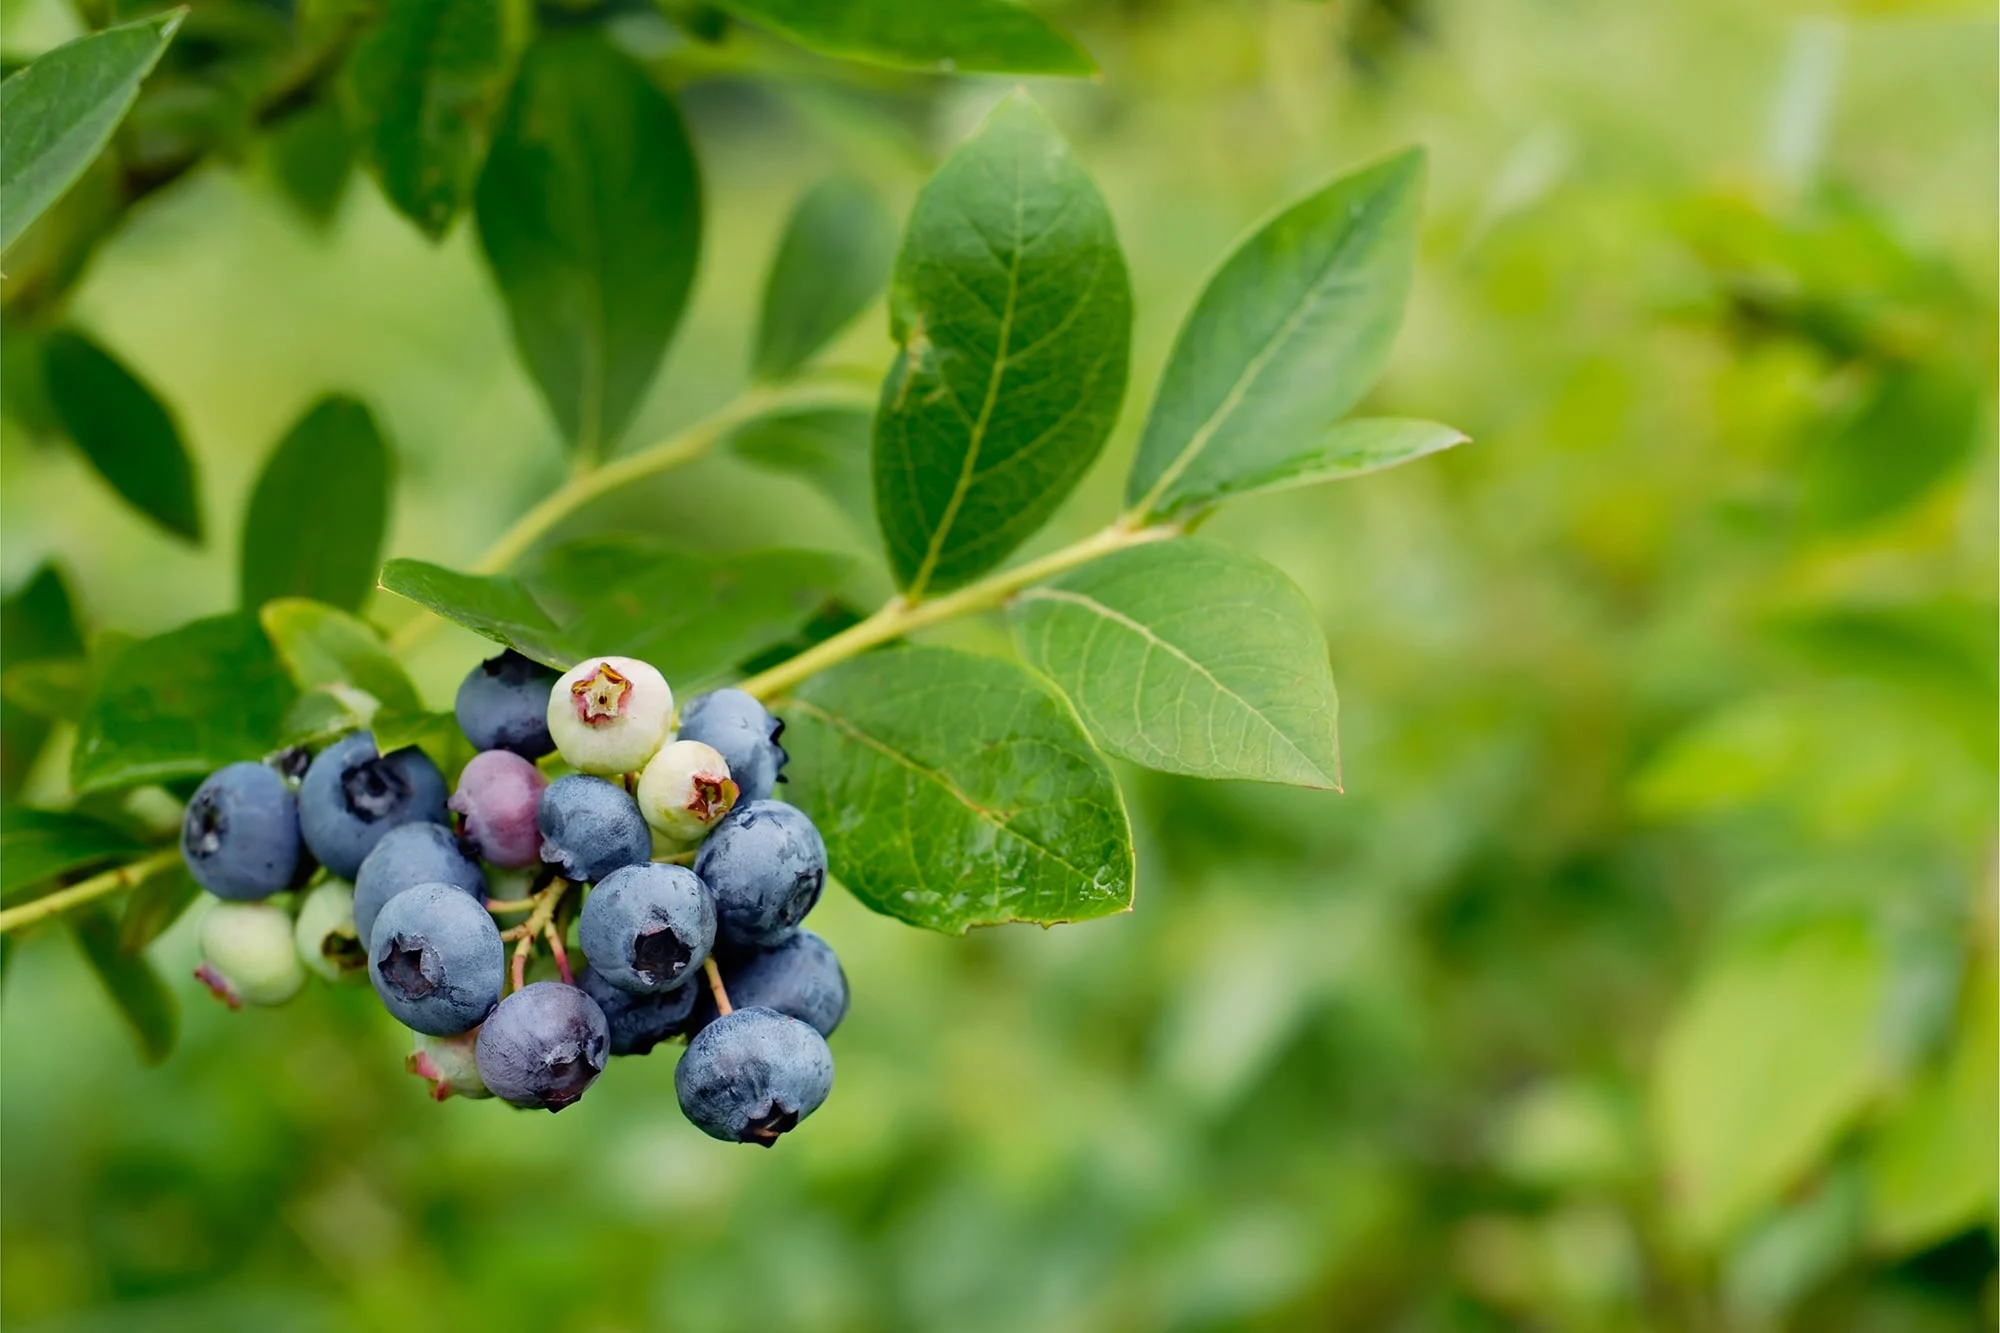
<point>601,696</point>
<point>659,954</point>
<point>374,789</point>
<point>403,969</point>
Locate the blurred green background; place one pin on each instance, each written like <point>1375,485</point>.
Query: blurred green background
<point>1643,978</point>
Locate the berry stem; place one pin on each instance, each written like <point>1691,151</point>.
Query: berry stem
<point>97,886</point>
<point>722,1005</point>
<point>898,616</point>
<point>538,924</point>
<point>500,906</point>
<point>593,479</point>
<point>560,954</point>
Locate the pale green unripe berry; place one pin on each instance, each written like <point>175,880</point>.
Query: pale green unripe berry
<point>685,789</point>
<point>249,956</point>
<point>324,933</point>
<point>609,715</point>
<point>449,1064</point>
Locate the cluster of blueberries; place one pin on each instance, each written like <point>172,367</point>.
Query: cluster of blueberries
<point>389,882</point>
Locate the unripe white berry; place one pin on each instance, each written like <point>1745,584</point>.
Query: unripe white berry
<point>248,954</point>
<point>609,715</point>
<point>327,941</point>
<point>685,789</point>
<point>449,1064</point>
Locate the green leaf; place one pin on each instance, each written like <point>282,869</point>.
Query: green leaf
<point>1766,1062</point>
<point>125,432</point>
<point>154,906</point>
<point>181,705</point>
<point>1916,426</point>
<point>37,846</point>
<point>590,216</point>
<point>325,713</point>
<point>945,36</point>
<point>37,624</point>
<point>1192,658</point>
<point>1933,1164</point>
<point>428,81</point>
<point>826,446</point>
<point>694,616</point>
<point>1013,317</point>
<point>832,261</point>
<point>1350,448</point>
<point>1286,337</point>
<point>58,113</point>
<point>322,645</point>
<point>495,605</point>
<point>143,1000</point>
<point>315,522</point>
<point>311,159</point>
<point>436,734</point>
<point>956,790</point>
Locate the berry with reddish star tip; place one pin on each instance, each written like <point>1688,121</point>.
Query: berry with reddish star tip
<point>609,715</point>
<point>544,1046</point>
<point>497,797</point>
<point>685,789</point>
<point>248,954</point>
<point>647,928</point>
<point>437,960</point>
<point>449,1064</point>
<point>744,733</point>
<point>753,1075</point>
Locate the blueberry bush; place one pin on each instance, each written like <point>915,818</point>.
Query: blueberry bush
<point>542,534</point>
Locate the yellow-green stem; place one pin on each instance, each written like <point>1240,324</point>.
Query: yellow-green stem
<point>127,876</point>
<point>898,616</point>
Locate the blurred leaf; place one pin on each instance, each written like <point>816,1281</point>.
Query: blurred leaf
<point>1351,448</point>
<point>1012,317</point>
<point>436,734</point>
<point>494,605</point>
<point>323,645</point>
<point>1933,1164</point>
<point>832,261</point>
<point>1917,425</point>
<point>37,623</point>
<point>956,791</point>
<point>829,619</point>
<point>311,159</point>
<point>1762,1066</point>
<point>44,265</point>
<point>181,705</point>
<point>589,212</point>
<point>1286,337</point>
<point>428,80</point>
<point>58,113</point>
<point>154,906</point>
<point>125,432</point>
<point>315,522</point>
<point>39,845</point>
<point>945,36</point>
<point>826,446</point>
<point>694,616</point>
<point>325,713</point>
<point>1795,1249</point>
<point>143,1000</point>
<point>1189,657</point>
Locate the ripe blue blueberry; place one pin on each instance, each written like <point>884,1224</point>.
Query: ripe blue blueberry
<point>765,864</point>
<point>544,1045</point>
<point>647,928</point>
<point>591,827</point>
<point>407,856</point>
<point>437,960</point>
<point>751,1075</point>
<point>743,733</point>
<point>352,796</point>
<point>640,1022</point>
<point>503,704</point>
<point>240,836</point>
<point>800,977</point>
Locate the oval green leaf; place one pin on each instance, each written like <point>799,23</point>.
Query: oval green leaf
<point>957,790</point>
<point>322,645</point>
<point>180,705</point>
<point>315,523</point>
<point>943,36</point>
<point>428,80</point>
<point>1287,336</point>
<point>832,261</point>
<point>58,113</point>
<point>1350,448</point>
<point>36,846</point>
<point>143,1000</point>
<point>495,605</point>
<point>1013,316</point>
<point>825,446</point>
<point>589,213</point>
<point>124,430</point>
<point>1190,657</point>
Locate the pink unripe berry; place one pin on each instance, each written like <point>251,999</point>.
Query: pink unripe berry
<point>497,795</point>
